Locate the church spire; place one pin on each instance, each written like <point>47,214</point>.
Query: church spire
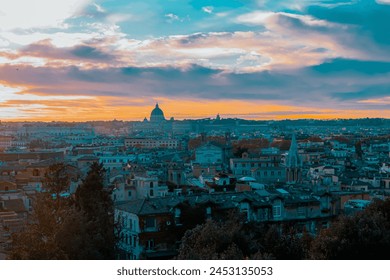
<point>293,158</point>
<point>293,162</point>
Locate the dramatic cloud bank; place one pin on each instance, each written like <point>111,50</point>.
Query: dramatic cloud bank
<point>265,59</point>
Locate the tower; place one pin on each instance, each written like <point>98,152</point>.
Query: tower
<point>293,163</point>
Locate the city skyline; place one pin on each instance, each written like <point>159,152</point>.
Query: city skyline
<point>104,60</point>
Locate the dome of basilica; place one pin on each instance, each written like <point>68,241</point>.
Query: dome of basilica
<point>157,115</point>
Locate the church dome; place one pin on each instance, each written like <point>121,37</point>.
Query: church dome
<point>157,115</point>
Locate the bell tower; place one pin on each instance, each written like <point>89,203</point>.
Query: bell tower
<point>293,163</point>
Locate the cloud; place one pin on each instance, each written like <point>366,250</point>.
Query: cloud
<point>44,49</point>
<point>221,50</point>
<point>307,85</point>
<point>99,8</point>
<point>344,38</point>
<point>311,54</point>
<point>312,89</point>
<point>20,14</point>
<point>384,2</point>
<point>385,101</point>
<point>353,66</point>
<point>89,53</point>
<point>172,17</point>
<point>208,9</point>
<point>367,26</point>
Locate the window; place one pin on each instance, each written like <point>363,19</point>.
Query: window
<point>150,244</point>
<point>208,211</point>
<point>177,216</point>
<point>150,223</point>
<point>244,207</point>
<point>129,193</point>
<point>130,224</point>
<point>177,212</point>
<point>151,192</point>
<point>276,211</point>
<point>301,211</point>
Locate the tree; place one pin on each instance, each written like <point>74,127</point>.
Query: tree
<point>284,242</point>
<point>95,203</point>
<point>67,228</point>
<point>217,240</point>
<point>283,145</point>
<point>38,240</point>
<point>235,239</point>
<point>57,181</point>
<point>250,146</point>
<point>208,241</point>
<point>365,235</point>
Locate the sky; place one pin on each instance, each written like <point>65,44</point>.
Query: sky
<point>80,60</point>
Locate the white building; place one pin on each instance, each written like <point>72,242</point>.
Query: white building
<point>149,187</point>
<point>208,153</point>
<point>129,235</point>
<point>151,143</point>
<point>111,162</point>
<point>338,153</point>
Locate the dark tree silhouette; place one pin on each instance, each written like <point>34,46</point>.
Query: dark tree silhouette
<point>64,228</point>
<point>224,240</point>
<point>365,235</point>
<point>95,203</point>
